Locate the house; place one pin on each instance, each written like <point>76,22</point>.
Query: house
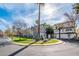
<point>77,31</point>
<point>42,30</point>
<point>1,33</point>
<point>65,30</point>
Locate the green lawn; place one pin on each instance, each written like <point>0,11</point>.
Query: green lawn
<point>22,40</point>
<point>26,41</point>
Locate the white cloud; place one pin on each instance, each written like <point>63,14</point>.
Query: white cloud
<point>54,13</point>
<point>3,21</point>
<point>27,20</point>
<point>49,9</point>
<point>49,12</point>
<point>52,22</point>
<point>11,6</point>
<point>16,15</point>
<point>4,24</point>
<point>62,19</point>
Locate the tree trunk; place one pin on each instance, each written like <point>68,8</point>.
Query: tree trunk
<point>47,35</point>
<point>51,35</point>
<point>59,34</point>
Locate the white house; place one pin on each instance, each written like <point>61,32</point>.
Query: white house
<point>65,30</point>
<point>42,31</point>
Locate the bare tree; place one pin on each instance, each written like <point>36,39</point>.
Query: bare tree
<point>8,32</point>
<point>72,17</point>
<point>19,26</point>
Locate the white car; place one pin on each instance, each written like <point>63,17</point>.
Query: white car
<point>5,40</point>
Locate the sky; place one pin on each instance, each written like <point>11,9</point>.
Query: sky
<point>28,12</point>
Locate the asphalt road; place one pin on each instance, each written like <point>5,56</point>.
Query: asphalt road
<point>68,48</point>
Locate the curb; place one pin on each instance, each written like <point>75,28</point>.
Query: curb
<point>60,42</point>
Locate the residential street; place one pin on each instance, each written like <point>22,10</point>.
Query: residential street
<point>68,48</point>
<point>65,49</point>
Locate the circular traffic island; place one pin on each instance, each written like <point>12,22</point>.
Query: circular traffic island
<point>27,41</point>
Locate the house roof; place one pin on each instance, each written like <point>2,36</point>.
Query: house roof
<point>64,25</point>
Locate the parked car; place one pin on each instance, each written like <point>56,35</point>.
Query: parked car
<point>5,40</point>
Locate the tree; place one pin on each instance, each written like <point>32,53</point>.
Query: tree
<point>8,32</point>
<point>1,34</point>
<point>19,26</point>
<point>50,31</point>
<point>73,18</point>
<point>45,25</point>
<point>76,8</point>
<point>76,11</point>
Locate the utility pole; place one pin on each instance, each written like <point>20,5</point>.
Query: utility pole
<point>39,21</point>
<point>39,16</point>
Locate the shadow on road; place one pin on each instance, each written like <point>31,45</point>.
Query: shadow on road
<point>44,41</point>
<point>16,52</point>
<point>70,40</point>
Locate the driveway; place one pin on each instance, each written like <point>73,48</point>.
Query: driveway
<point>68,48</point>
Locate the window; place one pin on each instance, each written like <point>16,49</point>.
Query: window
<point>69,29</point>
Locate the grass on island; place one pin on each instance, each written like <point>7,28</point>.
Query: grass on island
<point>27,41</point>
<point>22,40</point>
